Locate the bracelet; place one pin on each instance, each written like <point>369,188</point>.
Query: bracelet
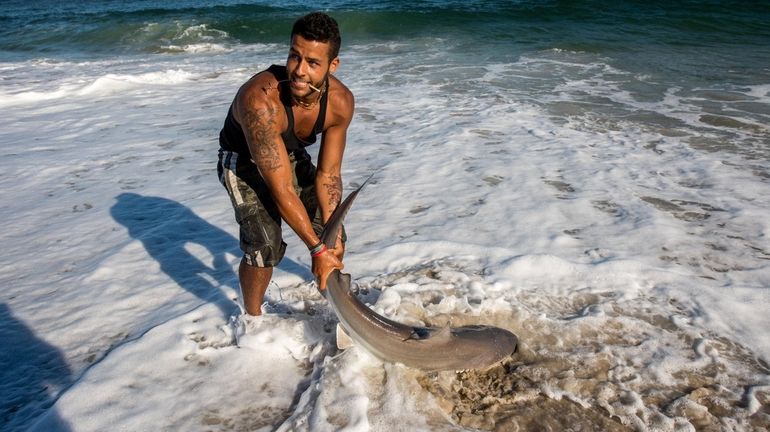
<point>318,250</point>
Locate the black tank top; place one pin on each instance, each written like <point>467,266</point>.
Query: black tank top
<point>231,136</point>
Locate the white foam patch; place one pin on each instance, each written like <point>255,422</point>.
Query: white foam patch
<point>761,92</point>
<point>107,85</point>
<point>110,84</point>
<point>198,48</point>
<point>267,368</point>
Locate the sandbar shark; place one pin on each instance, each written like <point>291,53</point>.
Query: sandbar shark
<point>424,348</point>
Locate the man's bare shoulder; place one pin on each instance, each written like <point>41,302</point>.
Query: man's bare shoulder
<point>260,92</point>
<point>341,101</point>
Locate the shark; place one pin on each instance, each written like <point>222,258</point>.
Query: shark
<point>423,348</point>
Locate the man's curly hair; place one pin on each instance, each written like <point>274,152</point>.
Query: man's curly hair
<point>318,26</point>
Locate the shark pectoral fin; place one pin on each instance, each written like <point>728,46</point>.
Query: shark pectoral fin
<point>418,333</point>
<point>414,335</point>
<point>343,340</point>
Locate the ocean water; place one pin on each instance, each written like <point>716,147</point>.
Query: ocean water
<point>594,177</point>
<point>696,68</point>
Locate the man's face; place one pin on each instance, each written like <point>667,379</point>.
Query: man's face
<point>308,63</point>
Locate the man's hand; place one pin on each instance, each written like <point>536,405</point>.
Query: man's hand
<point>323,265</point>
<point>339,247</point>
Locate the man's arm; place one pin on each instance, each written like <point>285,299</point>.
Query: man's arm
<point>328,181</point>
<point>259,118</point>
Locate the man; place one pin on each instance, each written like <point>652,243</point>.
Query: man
<point>264,167</point>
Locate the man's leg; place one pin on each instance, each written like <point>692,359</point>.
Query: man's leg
<point>260,227</point>
<point>254,281</point>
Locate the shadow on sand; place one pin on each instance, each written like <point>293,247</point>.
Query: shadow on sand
<point>165,227</point>
<point>32,373</point>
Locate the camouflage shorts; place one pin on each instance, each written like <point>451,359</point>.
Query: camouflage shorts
<point>256,212</point>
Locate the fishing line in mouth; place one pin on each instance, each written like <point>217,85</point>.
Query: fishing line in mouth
<point>312,87</point>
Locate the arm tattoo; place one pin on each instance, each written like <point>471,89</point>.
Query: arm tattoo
<point>259,123</point>
<point>334,189</point>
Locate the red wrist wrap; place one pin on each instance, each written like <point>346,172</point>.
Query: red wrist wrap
<point>320,250</point>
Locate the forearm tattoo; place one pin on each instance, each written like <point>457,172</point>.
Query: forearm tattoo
<point>334,190</point>
<point>260,125</point>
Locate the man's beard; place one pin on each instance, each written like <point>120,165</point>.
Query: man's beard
<point>310,89</point>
